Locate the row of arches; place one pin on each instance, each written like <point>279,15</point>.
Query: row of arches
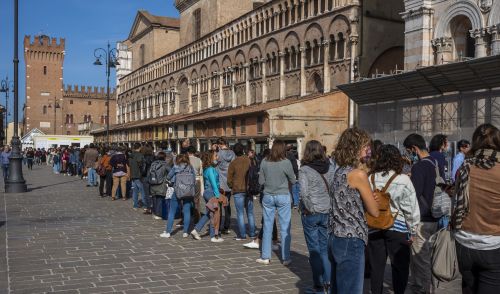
<point>215,43</point>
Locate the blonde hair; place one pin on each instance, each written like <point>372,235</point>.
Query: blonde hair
<point>349,146</point>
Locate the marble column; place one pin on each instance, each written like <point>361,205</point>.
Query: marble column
<point>248,101</point>
<point>190,97</point>
<point>481,43</point>
<point>233,87</point>
<point>162,99</point>
<point>282,75</point>
<point>264,78</point>
<point>209,93</point>
<point>303,81</point>
<point>443,49</point>
<point>326,67</point>
<point>221,86</point>
<point>494,31</point>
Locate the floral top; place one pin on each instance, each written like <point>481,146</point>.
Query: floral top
<point>347,218</point>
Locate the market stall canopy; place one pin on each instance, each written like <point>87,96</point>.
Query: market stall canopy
<point>471,75</point>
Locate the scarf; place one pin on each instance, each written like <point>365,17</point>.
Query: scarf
<point>483,158</point>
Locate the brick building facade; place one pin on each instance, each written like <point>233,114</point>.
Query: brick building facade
<point>51,106</point>
<point>266,70</point>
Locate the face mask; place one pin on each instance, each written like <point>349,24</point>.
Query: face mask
<point>215,162</point>
<point>414,157</point>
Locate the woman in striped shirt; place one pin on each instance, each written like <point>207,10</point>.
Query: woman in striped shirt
<point>396,240</point>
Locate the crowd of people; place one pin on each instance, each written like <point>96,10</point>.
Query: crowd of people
<point>360,204</point>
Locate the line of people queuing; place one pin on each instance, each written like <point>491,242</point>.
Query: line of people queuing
<point>343,198</point>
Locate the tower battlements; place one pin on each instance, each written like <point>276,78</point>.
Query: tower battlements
<point>42,41</point>
<point>76,91</point>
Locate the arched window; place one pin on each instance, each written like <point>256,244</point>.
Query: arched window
<point>287,59</point>
<point>315,52</point>
<point>332,48</point>
<point>340,46</point>
<point>308,54</point>
<point>142,54</point>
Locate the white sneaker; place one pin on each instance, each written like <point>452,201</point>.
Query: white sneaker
<point>185,235</point>
<point>195,235</point>
<point>156,217</point>
<point>165,235</point>
<point>263,261</point>
<point>251,245</point>
<point>216,240</point>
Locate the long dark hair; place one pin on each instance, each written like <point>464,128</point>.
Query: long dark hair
<point>313,151</point>
<point>278,151</point>
<point>437,142</point>
<point>389,158</point>
<point>486,136</point>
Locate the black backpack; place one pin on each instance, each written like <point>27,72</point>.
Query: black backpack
<point>252,179</point>
<point>154,176</point>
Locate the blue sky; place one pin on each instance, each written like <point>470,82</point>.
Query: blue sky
<point>85,24</point>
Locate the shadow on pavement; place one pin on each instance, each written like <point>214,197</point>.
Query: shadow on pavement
<point>41,187</point>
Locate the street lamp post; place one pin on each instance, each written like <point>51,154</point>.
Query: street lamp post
<point>15,182</point>
<point>111,61</point>
<point>6,85</point>
<point>56,106</point>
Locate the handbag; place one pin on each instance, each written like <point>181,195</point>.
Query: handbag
<point>444,262</point>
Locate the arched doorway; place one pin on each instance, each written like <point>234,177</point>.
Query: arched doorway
<point>315,84</point>
<point>462,42</point>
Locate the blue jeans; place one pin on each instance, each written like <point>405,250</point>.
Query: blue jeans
<point>296,193</point>
<point>186,212</point>
<point>316,235</point>
<point>137,187</point>
<point>57,167</point>
<point>270,204</point>
<point>5,171</point>
<point>242,202</point>
<point>207,195</point>
<point>92,177</point>
<point>347,256</point>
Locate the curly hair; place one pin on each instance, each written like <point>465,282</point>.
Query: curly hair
<point>389,158</point>
<point>349,146</point>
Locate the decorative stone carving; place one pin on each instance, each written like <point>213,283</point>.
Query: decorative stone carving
<point>485,5</point>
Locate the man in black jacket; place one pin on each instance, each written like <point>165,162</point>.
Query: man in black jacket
<point>136,162</point>
<point>423,177</point>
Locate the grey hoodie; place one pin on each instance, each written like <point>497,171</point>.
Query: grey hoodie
<point>225,157</point>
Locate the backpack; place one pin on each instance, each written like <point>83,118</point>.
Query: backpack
<point>185,183</point>
<point>252,180</point>
<point>154,176</point>
<point>386,218</point>
<point>441,202</point>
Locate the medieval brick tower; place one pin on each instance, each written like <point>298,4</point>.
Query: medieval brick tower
<point>44,59</point>
<point>52,107</point>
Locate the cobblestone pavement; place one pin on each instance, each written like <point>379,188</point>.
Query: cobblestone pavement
<point>62,237</point>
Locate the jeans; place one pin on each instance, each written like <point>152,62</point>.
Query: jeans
<point>480,270</point>
<point>395,245</point>
<point>207,195</point>
<point>270,204</point>
<point>243,203</point>
<point>296,193</point>
<point>57,167</point>
<point>30,163</point>
<point>145,184</point>
<point>108,179</point>
<point>226,223</point>
<point>186,212</point>
<point>347,256</point>
<point>316,235</point>
<point>92,177</point>
<point>5,171</point>
<point>158,201</point>
<point>420,264</point>
<point>137,187</point>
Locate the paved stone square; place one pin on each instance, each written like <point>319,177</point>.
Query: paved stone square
<point>62,237</point>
